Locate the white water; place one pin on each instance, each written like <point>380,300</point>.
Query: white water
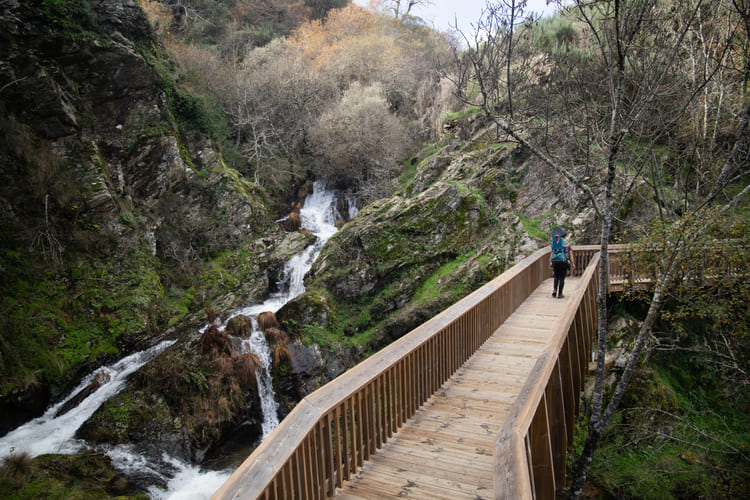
<point>47,434</point>
<point>318,215</point>
<point>50,434</point>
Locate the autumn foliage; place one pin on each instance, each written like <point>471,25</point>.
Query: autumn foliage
<point>283,100</point>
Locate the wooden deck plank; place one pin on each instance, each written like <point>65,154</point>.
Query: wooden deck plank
<point>458,474</point>
<point>445,449</point>
<point>381,485</point>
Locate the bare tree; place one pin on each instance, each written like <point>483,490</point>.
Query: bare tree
<point>402,8</point>
<point>360,141</point>
<point>637,53</point>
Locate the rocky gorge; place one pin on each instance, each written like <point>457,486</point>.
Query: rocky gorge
<point>122,226</point>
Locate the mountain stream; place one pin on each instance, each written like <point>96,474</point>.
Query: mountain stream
<point>51,433</point>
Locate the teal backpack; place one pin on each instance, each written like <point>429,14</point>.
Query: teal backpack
<point>559,252</point>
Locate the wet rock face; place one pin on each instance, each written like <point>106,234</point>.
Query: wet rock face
<point>57,80</point>
<point>21,406</point>
<point>89,152</point>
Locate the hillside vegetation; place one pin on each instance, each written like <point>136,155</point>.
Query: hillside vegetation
<point>147,148</point>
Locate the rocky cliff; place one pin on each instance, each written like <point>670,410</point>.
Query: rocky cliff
<point>119,220</point>
<point>121,223</point>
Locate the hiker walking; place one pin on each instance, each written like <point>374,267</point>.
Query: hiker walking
<point>560,260</point>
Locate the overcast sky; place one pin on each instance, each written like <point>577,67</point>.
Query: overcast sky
<point>443,13</point>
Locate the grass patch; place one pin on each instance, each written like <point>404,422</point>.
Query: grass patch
<point>85,476</point>
<point>461,114</point>
<point>533,227</point>
<point>433,287</point>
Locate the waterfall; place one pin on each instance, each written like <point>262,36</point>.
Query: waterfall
<point>53,433</point>
<point>257,345</point>
<point>319,216</point>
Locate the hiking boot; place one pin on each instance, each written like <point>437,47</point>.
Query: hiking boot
<point>554,294</point>
<point>560,296</point>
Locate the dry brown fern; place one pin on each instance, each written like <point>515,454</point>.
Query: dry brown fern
<point>276,337</point>
<point>214,343</point>
<point>267,320</point>
<point>245,366</point>
<point>280,354</point>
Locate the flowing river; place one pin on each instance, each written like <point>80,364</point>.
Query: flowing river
<point>56,434</point>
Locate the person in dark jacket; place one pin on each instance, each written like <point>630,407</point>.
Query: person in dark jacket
<point>561,259</point>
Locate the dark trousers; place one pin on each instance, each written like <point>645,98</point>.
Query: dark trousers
<point>560,269</point>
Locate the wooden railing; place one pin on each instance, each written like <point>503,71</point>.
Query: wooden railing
<point>331,432</point>
<point>530,450</point>
<point>619,265</point>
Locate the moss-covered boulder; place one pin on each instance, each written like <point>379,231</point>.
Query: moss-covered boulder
<point>311,309</point>
<point>87,476</point>
<point>400,233</point>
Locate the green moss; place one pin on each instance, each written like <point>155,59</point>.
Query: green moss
<point>405,178</point>
<point>461,114</point>
<point>432,287</point>
<point>533,227</point>
<point>56,322</point>
<point>85,476</point>
<point>70,19</point>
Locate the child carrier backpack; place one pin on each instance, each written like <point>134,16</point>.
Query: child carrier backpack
<point>559,252</point>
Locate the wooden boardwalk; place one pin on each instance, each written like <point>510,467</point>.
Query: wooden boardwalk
<point>445,450</point>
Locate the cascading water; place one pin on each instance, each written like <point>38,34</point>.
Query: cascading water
<point>319,216</point>
<point>54,432</point>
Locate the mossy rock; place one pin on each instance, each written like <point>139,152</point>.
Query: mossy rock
<point>649,402</point>
<point>88,475</point>
<point>389,237</point>
<point>312,308</point>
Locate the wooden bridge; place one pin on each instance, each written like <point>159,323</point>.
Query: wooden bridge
<point>478,402</point>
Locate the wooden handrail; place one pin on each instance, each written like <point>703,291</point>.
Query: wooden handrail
<point>330,433</point>
<point>530,450</point>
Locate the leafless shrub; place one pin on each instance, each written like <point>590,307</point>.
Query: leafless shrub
<point>360,140</point>
<point>211,314</point>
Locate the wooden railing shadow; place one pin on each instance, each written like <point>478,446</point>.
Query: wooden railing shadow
<point>332,431</point>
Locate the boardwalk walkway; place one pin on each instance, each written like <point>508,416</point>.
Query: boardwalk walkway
<point>445,450</point>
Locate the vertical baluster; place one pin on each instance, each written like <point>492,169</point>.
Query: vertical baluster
<point>338,437</point>
<point>320,459</point>
<point>391,401</point>
<point>541,453</point>
<point>380,411</point>
<point>329,442</point>
<point>346,431</point>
